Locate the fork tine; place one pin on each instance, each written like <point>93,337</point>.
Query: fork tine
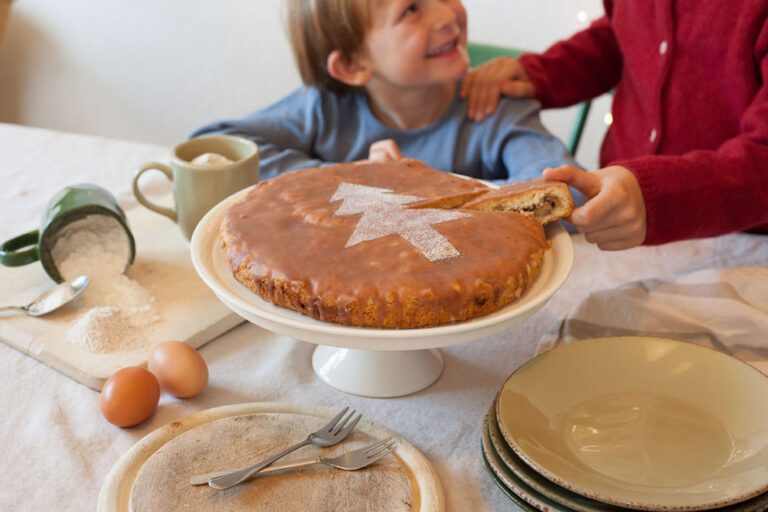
<point>384,448</point>
<point>343,421</point>
<point>343,430</point>
<point>329,426</point>
<point>382,453</point>
<point>378,445</point>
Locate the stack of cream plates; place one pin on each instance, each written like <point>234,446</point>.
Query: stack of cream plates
<point>637,423</point>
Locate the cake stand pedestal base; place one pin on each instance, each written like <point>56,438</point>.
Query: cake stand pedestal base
<point>377,374</point>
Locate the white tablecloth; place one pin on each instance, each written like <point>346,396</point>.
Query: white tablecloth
<point>56,448</point>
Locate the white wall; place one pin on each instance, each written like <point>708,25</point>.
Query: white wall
<point>153,70</point>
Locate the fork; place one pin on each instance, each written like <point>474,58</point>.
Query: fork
<point>332,433</point>
<point>350,461</point>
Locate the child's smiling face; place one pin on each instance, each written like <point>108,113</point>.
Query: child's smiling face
<point>414,43</point>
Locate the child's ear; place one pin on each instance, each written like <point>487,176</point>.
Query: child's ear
<point>353,72</point>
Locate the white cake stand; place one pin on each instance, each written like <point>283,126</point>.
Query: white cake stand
<point>367,361</point>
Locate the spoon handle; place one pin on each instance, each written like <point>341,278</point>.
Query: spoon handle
<point>13,308</point>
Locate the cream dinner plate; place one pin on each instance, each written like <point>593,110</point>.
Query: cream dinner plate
<point>512,486</point>
<point>539,487</point>
<point>536,484</point>
<point>509,494</point>
<point>640,422</point>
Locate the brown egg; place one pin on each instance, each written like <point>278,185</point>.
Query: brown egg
<point>179,368</point>
<point>129,396</point>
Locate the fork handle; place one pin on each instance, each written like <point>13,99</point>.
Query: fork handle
<point>241,475</point>
<point>204,478</point>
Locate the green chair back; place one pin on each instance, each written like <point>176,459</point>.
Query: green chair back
<point>479,53</point>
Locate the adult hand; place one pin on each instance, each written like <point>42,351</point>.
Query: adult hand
<point>614,216</point>
<point>384,151</point>
<point>484,85</point>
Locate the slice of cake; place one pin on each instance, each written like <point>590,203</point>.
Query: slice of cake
<point>543,200</point>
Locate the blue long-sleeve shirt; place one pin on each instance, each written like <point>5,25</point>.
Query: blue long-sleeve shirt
<point>310,128</point>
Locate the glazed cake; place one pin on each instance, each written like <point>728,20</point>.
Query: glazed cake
<point>341,244</point>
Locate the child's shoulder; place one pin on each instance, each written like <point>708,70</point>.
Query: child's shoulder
<point>308,98</point>
<point>510,115</point>
<point>508,110</point>
<point>318,96</point>
<point>516,108</point>
<point>310,94</point>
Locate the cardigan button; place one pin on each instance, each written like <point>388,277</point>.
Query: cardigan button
<point>663,47</point>
<point>652,138</point>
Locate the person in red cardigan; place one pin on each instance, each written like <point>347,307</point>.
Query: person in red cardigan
<point>687,153</point>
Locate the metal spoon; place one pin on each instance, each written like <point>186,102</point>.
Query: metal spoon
<point>54,298</point>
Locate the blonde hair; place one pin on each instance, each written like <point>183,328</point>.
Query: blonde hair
<point>318,27</point>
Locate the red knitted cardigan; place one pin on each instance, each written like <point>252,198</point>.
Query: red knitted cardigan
<point>690,110</point>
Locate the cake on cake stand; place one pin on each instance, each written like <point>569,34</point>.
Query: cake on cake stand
<point>369,361</point>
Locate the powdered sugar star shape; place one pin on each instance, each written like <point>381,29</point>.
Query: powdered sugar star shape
<point>384,215</point>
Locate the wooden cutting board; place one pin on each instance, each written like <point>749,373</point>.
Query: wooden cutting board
<point>188,310</point>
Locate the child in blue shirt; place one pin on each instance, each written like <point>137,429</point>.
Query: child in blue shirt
<point>386,72</point>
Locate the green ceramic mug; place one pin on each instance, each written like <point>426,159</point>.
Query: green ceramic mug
<point>198,187</point>
<point>70,205</point>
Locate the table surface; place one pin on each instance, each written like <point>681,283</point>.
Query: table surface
<point>57,449</point>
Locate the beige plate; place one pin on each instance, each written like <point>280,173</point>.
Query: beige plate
<point>116,492</point>
<point>645,423</point>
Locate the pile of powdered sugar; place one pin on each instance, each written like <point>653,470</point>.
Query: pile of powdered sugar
<point>116,308</point>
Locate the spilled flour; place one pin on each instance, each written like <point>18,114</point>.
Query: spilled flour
<point>116,308</point>
<point>105,329</point>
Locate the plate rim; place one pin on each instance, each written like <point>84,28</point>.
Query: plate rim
<point>567,501</point>
<point>206,239</point>
<point>756,504</point>
<point>525,493</point>
<point>517,500</point>
<point>653,506</point>
<point>114,497</point>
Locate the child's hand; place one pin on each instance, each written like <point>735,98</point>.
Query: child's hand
<point>614,216</point>
<point>384,151</point>
<point>484,85</point>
